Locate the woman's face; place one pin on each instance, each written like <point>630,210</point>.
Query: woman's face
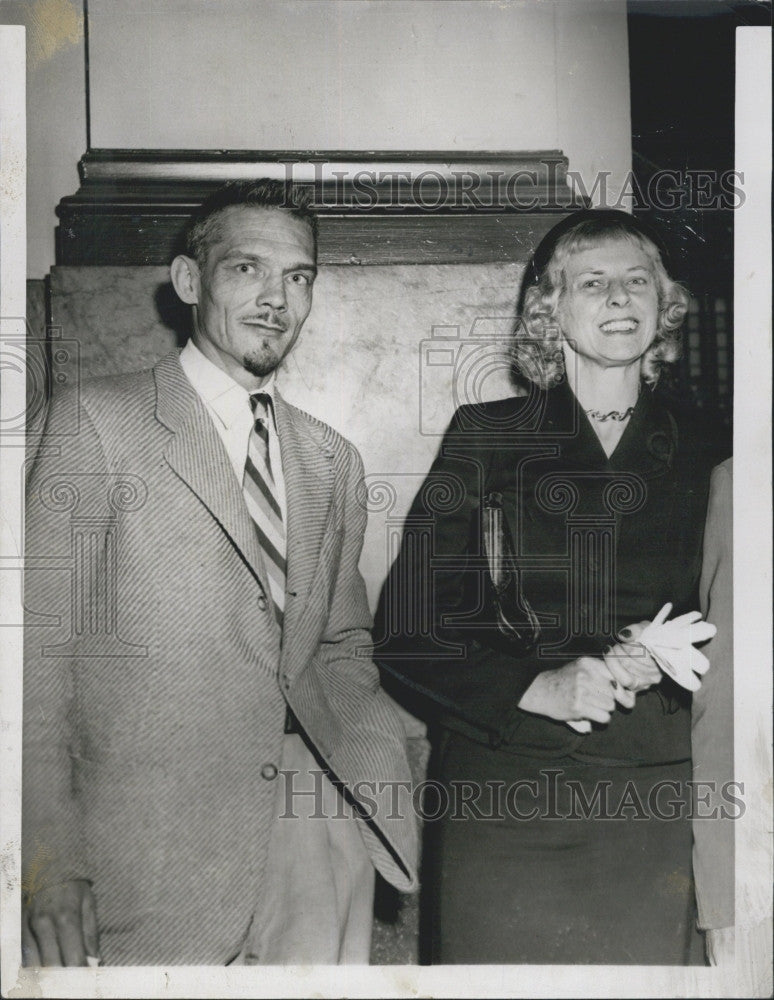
<point>609,310</point>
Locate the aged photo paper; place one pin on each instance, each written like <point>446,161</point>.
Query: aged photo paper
<point>433,128</point>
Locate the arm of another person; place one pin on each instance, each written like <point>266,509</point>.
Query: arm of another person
<point>712,733</point>
<point>59,918</point>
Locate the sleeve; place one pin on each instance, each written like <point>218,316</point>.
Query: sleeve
<point>344,650</point>
<point>426,637</point>
<point>371,757</point>
<point>68,461</point>
<point>712,735</point>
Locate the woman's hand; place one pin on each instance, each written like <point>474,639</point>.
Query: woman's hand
<point>630,664</point>
<point>589,687</point>
<point>582,689</point>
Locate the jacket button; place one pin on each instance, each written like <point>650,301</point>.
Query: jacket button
<point>269,772</point>
<point>262,603</point>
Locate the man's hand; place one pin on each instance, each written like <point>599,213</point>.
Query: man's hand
<point>59,925</point>
<point>719,946</point>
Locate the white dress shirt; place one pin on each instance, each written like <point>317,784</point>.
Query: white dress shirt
<point>228,404</point>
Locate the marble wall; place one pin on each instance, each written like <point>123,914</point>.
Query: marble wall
<point>385,357</point>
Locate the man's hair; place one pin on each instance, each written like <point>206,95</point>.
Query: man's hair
<point>263,193</point>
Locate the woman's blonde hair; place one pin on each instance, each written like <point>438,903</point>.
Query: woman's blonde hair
<point>538,339</point>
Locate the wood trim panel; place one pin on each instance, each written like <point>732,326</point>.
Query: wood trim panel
<point>375,208</point>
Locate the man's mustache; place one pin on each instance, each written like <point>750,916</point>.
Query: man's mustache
<point>271,320</point>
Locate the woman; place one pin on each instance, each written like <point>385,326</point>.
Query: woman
<point>554,845</point>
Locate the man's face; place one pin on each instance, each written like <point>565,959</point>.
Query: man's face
<point>253,291</point>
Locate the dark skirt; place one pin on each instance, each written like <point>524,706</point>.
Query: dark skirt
<point>558,863</point>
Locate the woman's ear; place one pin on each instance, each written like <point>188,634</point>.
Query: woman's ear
<point>184,273</point>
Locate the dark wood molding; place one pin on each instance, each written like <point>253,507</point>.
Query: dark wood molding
<point>375,207</point>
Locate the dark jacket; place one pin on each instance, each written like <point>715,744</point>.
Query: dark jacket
<point>601,543</point>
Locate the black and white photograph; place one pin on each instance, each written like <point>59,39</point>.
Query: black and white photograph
<point>385,476</point>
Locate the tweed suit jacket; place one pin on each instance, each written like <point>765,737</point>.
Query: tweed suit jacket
<point>156,676</point>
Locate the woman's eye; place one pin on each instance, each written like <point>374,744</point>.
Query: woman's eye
<point>638,281</point>
<point>245,268</point>
<point>591,283</point>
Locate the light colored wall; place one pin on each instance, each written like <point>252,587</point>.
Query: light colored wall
<point>56,114</point>
<point>593,114</point>
<point>365,74</point>
<point>322,74</point>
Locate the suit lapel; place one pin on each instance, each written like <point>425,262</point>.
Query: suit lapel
<point>196,453</point>
<point>572,449</point>
<point>307,467</point>
<point>646,446</point>
<point>565,419</point>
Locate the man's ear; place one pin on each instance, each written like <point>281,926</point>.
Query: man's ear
<point>184,272</point>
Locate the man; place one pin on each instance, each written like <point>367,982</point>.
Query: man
<point>198,632</point>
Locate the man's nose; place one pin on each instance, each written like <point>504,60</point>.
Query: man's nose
<point>272,293</point>
<point>618,293</point>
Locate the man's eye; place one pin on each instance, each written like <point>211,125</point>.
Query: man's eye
<point>245,268</point>
<point>301,279</point>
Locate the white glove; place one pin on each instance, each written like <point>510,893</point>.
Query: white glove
<point>671,643</point>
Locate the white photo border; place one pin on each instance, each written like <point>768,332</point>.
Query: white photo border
<point>753,602</point>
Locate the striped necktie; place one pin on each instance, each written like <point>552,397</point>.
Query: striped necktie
<point>260,494</point>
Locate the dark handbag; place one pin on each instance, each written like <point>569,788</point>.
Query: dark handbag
<point>515,625</point>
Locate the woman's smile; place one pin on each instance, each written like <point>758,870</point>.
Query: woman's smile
<point>608,310</point>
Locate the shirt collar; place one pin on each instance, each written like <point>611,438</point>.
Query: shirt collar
<point>228,400</point>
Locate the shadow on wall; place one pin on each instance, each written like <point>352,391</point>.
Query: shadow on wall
<point>173,313</point>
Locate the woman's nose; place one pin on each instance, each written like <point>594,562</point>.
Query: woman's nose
<point>618,293</point>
